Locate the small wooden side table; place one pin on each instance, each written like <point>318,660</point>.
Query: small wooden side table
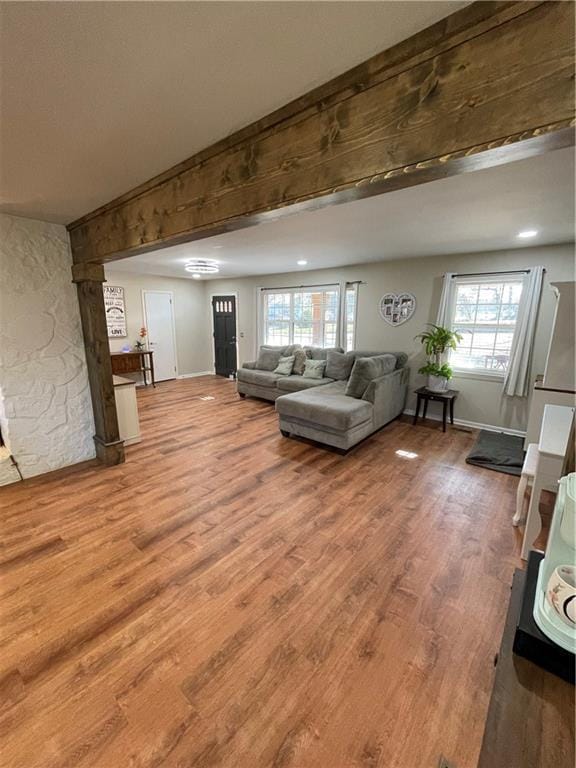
<point>446,398</point>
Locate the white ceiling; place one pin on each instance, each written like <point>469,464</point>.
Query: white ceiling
<point>98,97</point>
<point>478,211</point>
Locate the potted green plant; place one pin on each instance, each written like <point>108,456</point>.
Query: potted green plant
<point>437,343</point>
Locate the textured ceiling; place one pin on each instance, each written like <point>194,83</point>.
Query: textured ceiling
<point>98,97</point>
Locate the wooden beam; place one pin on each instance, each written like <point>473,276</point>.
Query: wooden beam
<point>492,82</point>
<point>89,279</point>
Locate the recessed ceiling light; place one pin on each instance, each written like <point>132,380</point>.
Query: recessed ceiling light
<point>202,267</point>
<point>217,246</point>
<point>301,262</point>
<point>196,276</point>
<point>527,233</point>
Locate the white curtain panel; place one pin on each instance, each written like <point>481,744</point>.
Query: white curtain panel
<point>445,308</point>
<point>516,383</point>
<point>348,292</point>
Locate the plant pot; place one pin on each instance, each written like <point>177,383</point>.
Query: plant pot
<point>437,383</point>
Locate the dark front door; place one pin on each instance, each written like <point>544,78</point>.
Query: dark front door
<point>224,312</point>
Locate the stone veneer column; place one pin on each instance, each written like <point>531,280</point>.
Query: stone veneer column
<point>89,278</point>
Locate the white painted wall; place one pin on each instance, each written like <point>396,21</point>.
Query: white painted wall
<point>480,400</point>
<point>561,366</point>
<point>46,409</point>
<point>193,345</point>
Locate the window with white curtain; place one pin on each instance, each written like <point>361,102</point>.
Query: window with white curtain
<point>484,310</point>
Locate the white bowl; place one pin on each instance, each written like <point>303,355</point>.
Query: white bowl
<point>561,593</point>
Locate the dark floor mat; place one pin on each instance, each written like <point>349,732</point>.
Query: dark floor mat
<point>497,451</point>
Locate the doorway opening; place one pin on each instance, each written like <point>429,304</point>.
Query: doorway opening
<point>158,309</point>
<point>224,335</point>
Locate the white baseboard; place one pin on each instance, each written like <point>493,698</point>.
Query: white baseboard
<point>193,375</point>
<point>473,424</point>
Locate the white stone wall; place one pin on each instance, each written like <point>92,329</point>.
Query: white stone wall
<point>46,411</point>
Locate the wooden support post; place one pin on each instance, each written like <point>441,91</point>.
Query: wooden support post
<point>89,279</point>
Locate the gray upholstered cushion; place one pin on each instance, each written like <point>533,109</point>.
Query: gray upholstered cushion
<point>268,358</point>
<point>326,406</point>
<point>401,357</point>
<point>299,362</point>
<point>261,378</point>
<point>320,353</point>
<point>367,368</point>
<point>368,353</point>
<point>269,355</point>
<point>338,365</point>
<point>314,369</point>
<point>296,383</point>
<point>286,350</point>
<point>285,365</point>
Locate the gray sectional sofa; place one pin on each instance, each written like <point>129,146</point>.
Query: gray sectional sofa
<point>258,381</point>
<point>359,393</point>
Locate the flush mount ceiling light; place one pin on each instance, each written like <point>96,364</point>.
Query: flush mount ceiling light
<point>526,233</point>
<point>202,267</point>
<point>301,262</point>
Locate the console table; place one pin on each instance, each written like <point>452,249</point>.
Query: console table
<point>134,362</point>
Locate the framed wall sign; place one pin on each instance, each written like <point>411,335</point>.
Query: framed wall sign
<point>397,308</point>
<point>115,311</point>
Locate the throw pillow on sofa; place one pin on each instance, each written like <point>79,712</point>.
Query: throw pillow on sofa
<point>365,369</point>
<point>285,365</point>
<point>269,355</point>
<point>268,359</point>
<point>401,357</point>
<point>290,349</point>
<point>320,353</point>
<point>338,365</point>
<point>299,362</point>
<point>314,369</point>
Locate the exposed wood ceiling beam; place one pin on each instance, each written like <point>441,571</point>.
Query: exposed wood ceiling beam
<point>474,90</point>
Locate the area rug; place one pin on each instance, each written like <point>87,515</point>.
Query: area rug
<point>497,451</point>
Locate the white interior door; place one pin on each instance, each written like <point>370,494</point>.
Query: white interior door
<point>158,311</point>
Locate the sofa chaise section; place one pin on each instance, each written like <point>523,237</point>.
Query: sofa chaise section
<point>327,415</point>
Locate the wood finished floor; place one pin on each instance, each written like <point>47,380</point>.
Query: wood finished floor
<point>232,598</point>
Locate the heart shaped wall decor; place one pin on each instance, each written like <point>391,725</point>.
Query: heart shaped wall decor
<point>397,308</point>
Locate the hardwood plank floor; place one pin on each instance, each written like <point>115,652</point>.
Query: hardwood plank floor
<point>232,598</point>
